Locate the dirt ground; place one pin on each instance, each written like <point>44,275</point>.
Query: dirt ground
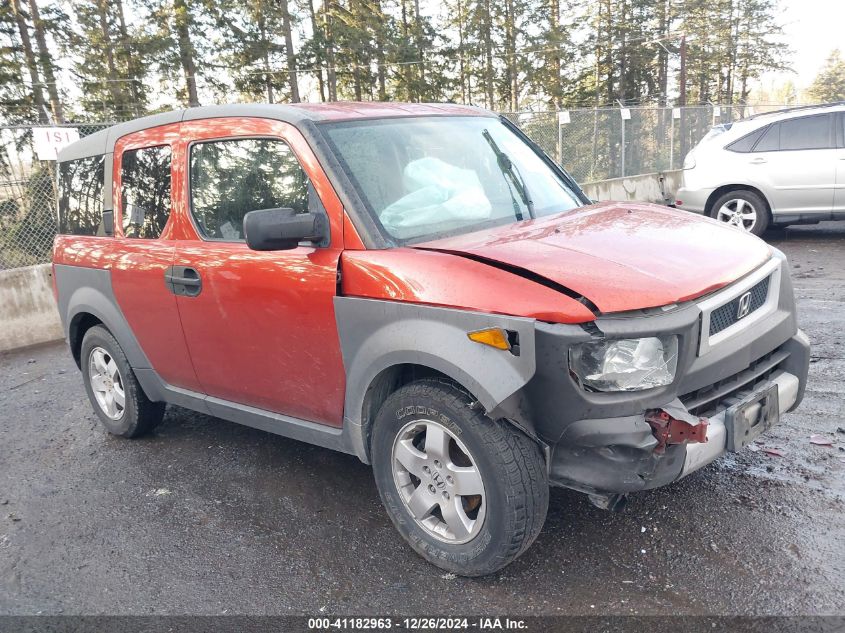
<point>209,517</point>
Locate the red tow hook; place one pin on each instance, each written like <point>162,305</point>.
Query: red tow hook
<point>671,430</point>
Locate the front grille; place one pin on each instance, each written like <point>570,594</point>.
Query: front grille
<point>726,315</point>
<point>710,400</point>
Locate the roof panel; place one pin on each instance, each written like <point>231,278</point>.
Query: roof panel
<point>103,141</point>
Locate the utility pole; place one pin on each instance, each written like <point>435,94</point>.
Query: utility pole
<point>682,98</point>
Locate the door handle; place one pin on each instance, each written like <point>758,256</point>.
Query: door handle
<point>183,281</point>
<point>758,161</point>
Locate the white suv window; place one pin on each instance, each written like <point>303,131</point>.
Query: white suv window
<point>810,132</point>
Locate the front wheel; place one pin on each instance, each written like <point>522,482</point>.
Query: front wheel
<point>468,493</point>
<point>742,209</point>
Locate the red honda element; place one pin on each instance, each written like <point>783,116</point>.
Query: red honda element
<point>420,286</point>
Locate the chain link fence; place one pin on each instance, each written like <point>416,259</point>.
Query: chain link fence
<point>601,143</point>
<point>595,144</point>
<point>28,197</point>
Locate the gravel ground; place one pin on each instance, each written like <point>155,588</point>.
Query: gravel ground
<point>211,517</point>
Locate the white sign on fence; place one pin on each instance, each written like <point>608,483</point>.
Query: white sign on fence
<point>49,140</point>
<point>626,114</point>
<point>563,117</point>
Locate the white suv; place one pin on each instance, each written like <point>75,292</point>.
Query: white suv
<point>779,168</point>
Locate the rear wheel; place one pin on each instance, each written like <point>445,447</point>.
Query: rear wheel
<point>118,399</point>
<point>742,209</point>
<point>468,493</point>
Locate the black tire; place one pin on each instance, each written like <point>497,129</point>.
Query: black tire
<point>140,415</point>
<point>510,464</point>
<point>758,204</point>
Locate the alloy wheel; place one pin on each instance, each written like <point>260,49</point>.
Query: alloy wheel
<point>739,213</point>
<point>438,481</point>
<point>106,383</point>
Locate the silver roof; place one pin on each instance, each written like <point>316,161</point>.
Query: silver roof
<point>103,142</point>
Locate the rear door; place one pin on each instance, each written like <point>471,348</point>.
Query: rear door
<point>260,326</point>
<point>144,193</point>
<point>795,163</point>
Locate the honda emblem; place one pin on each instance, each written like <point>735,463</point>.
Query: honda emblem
<point>744,306</point>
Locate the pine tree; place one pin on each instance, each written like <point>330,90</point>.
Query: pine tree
<point>16,99</point>
<point>829,84</point>
<point>290,54</point>
<point>108,60</point>
<point>176,35</point>
<point>250,48</point>
<point>45,58</point>
<point>30,61</point>
<point>182,25</point>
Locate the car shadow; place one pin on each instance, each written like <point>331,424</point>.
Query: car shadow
<point>823,231</point>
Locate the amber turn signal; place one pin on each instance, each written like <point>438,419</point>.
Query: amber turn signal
<point>494,337</point>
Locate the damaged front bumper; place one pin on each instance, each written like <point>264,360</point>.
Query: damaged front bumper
<point>787,386</point>
<point>613,443</point>
<point>625,454</point>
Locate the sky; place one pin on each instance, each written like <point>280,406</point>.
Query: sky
<point>812,28</point>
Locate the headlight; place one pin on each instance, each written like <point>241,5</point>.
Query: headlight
<point>625,364</point>
<point>689,161</point>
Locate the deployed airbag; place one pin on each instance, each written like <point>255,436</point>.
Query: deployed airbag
<point>439,193</point>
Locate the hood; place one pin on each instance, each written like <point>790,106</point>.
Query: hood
<point>619,256</point>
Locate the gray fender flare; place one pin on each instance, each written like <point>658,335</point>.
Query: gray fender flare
<point>89,290</point>
<point>376,335</point>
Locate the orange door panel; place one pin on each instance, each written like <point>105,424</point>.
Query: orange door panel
<point>138,271</point>
<point>261,331</point>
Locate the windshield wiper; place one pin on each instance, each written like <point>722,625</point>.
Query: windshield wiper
<point>511,170</point>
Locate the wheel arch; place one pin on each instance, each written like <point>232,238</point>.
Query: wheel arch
<point>389,380</point>
<point>86,299</point>
<point>387,343</point>
<point>722,190</point>
<point>78,326</point>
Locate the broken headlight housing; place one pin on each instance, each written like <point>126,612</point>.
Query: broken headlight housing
<point>631,364</point>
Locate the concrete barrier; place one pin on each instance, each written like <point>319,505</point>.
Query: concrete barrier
<point>28,314</point>
<point>658,187</point>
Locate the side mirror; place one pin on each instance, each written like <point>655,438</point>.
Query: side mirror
<point>283,229</point>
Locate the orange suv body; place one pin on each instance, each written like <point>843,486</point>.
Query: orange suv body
<point>344,274</point>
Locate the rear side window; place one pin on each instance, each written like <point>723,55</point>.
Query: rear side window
<point>81,196</point>
<point>746,143</point>
<point>233,177</point>
<point>811,132</point>
<point>145,191</point>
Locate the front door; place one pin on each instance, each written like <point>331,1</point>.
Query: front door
<point>260,326</point>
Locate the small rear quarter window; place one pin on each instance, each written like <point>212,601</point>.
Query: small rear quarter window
<point>81,196</point>
<point>746,143</point>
